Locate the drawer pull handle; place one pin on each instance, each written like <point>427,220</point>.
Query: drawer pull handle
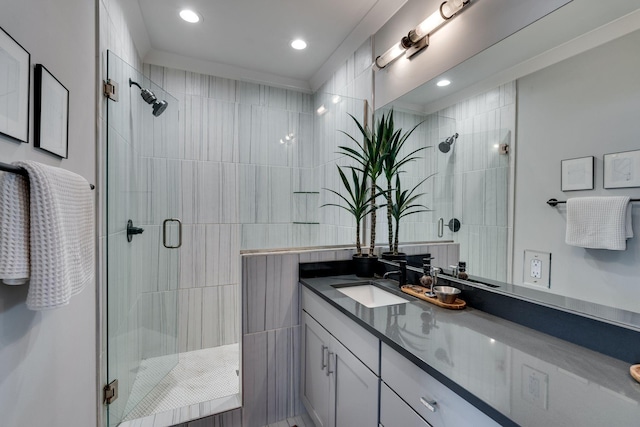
<point>329,371</point>
<point>323,349</point>
<point>430,404</point>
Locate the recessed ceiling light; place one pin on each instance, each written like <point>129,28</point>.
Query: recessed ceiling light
<point>189,16</point>
<point>443,82</point>
<point>299,44</point>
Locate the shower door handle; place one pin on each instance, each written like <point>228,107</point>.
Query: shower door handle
<point>441,227</point>
<point>164,233</point>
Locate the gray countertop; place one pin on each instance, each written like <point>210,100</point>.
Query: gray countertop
<point>530,378</point>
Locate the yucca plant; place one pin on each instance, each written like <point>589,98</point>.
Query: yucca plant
<point>357,199</point>
<point>370,156</point>
<point>392,162</point>
<point>403,205</point>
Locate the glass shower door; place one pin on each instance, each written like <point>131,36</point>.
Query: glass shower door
<point>143,191</point>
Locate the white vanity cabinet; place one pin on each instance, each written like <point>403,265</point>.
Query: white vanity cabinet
<point>435,402</point>
<point>338,389</point>
<point>394,412</point>
<point>345,369</point>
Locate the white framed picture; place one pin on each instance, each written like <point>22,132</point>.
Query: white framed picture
<point>577,174</point>
<point>622,170</point>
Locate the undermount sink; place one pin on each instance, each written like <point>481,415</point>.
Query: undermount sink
<point>370,295</point>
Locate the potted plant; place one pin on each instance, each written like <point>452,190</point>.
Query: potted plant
<point>403,206</point>
<point>357,202</point>
<point>392,162</point>
<point>370,156</point>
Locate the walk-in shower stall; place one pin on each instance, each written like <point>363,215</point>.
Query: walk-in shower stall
<point>144,221</point>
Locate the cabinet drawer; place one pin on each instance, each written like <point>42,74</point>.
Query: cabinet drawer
<point>435,402</point>
<point>395,413</point>
<point>358,340</point>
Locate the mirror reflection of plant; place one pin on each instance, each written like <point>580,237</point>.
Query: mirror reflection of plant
<point>357,199</point>
<point>392,162</point>
<point>403,205</point>
<point>370,157</point>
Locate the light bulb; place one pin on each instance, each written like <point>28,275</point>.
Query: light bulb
<point>298,44</point>
<point>321,110</point>
<point>390,55</point>
<point>189,16</point>
<point>436,19</point>
<point>443,82</point>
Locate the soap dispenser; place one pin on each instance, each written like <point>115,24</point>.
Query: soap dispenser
<point>462,270</point>
<point>426,279</point>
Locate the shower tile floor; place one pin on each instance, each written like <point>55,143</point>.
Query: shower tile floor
<point>200,376</point>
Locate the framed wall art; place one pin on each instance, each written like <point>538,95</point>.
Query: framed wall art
<point>51,113</point>
<point>577,174</point>
<point>622,170</point>
<point>15,68</point>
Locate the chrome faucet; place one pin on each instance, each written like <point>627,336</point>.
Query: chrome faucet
<point>402,273</point>
<point>454,270</point>
<point>433,272</point>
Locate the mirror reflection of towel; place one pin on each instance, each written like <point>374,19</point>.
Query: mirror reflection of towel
<point>599,222</point>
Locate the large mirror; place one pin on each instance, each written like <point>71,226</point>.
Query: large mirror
<point>574,96</point>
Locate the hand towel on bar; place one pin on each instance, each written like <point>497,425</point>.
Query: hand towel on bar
<point>599,222</point>
<point>14,229</point>
<point>62,245</point>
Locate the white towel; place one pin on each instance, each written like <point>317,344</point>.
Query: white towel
<point>14,229</point>
<point>62,246</point>
<point>599,222</point>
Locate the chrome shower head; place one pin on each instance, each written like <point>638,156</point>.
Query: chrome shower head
<point>151,99</point>
<point>445,145</point>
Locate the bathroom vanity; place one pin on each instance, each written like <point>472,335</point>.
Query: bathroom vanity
<point>415,364</point>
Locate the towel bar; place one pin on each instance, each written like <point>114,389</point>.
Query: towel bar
<point>21,171</point>
<point>555,202</point>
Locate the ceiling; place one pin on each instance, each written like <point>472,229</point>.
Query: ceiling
<point>251,38</point>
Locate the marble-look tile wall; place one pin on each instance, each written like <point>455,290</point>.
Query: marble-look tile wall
<point>471,182</point>
<point>481,179</point>
<point>345,92</point>
<point>239,185</point>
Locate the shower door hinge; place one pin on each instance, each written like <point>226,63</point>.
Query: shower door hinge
<point>111,90</point>
<point>110,392</point>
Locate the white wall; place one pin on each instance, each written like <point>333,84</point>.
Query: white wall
<point>47,359</point>
<point>585,106</point>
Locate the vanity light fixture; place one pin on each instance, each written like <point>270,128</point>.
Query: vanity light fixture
<point>418,38</point>
<point>321,110</point>
<point>336,99</point>
<point>189,16</point>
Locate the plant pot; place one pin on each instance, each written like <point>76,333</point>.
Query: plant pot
<point>364,265</point>
<point>389,256</point>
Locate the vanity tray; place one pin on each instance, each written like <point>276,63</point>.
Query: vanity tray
<point>635,372</point>
<point>419,292</point>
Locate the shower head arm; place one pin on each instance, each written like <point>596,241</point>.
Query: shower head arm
<point>132,83</point>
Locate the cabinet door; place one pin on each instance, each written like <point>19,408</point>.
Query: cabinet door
<point>315,379</point>
<point>354,390</point>
<point>395,413</point>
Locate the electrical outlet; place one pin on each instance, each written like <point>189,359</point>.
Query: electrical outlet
<point>535,387</point>
<point>537,268</point>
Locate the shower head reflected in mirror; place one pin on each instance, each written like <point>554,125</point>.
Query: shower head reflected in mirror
<point>445,145</point>
<point>151,99</point>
